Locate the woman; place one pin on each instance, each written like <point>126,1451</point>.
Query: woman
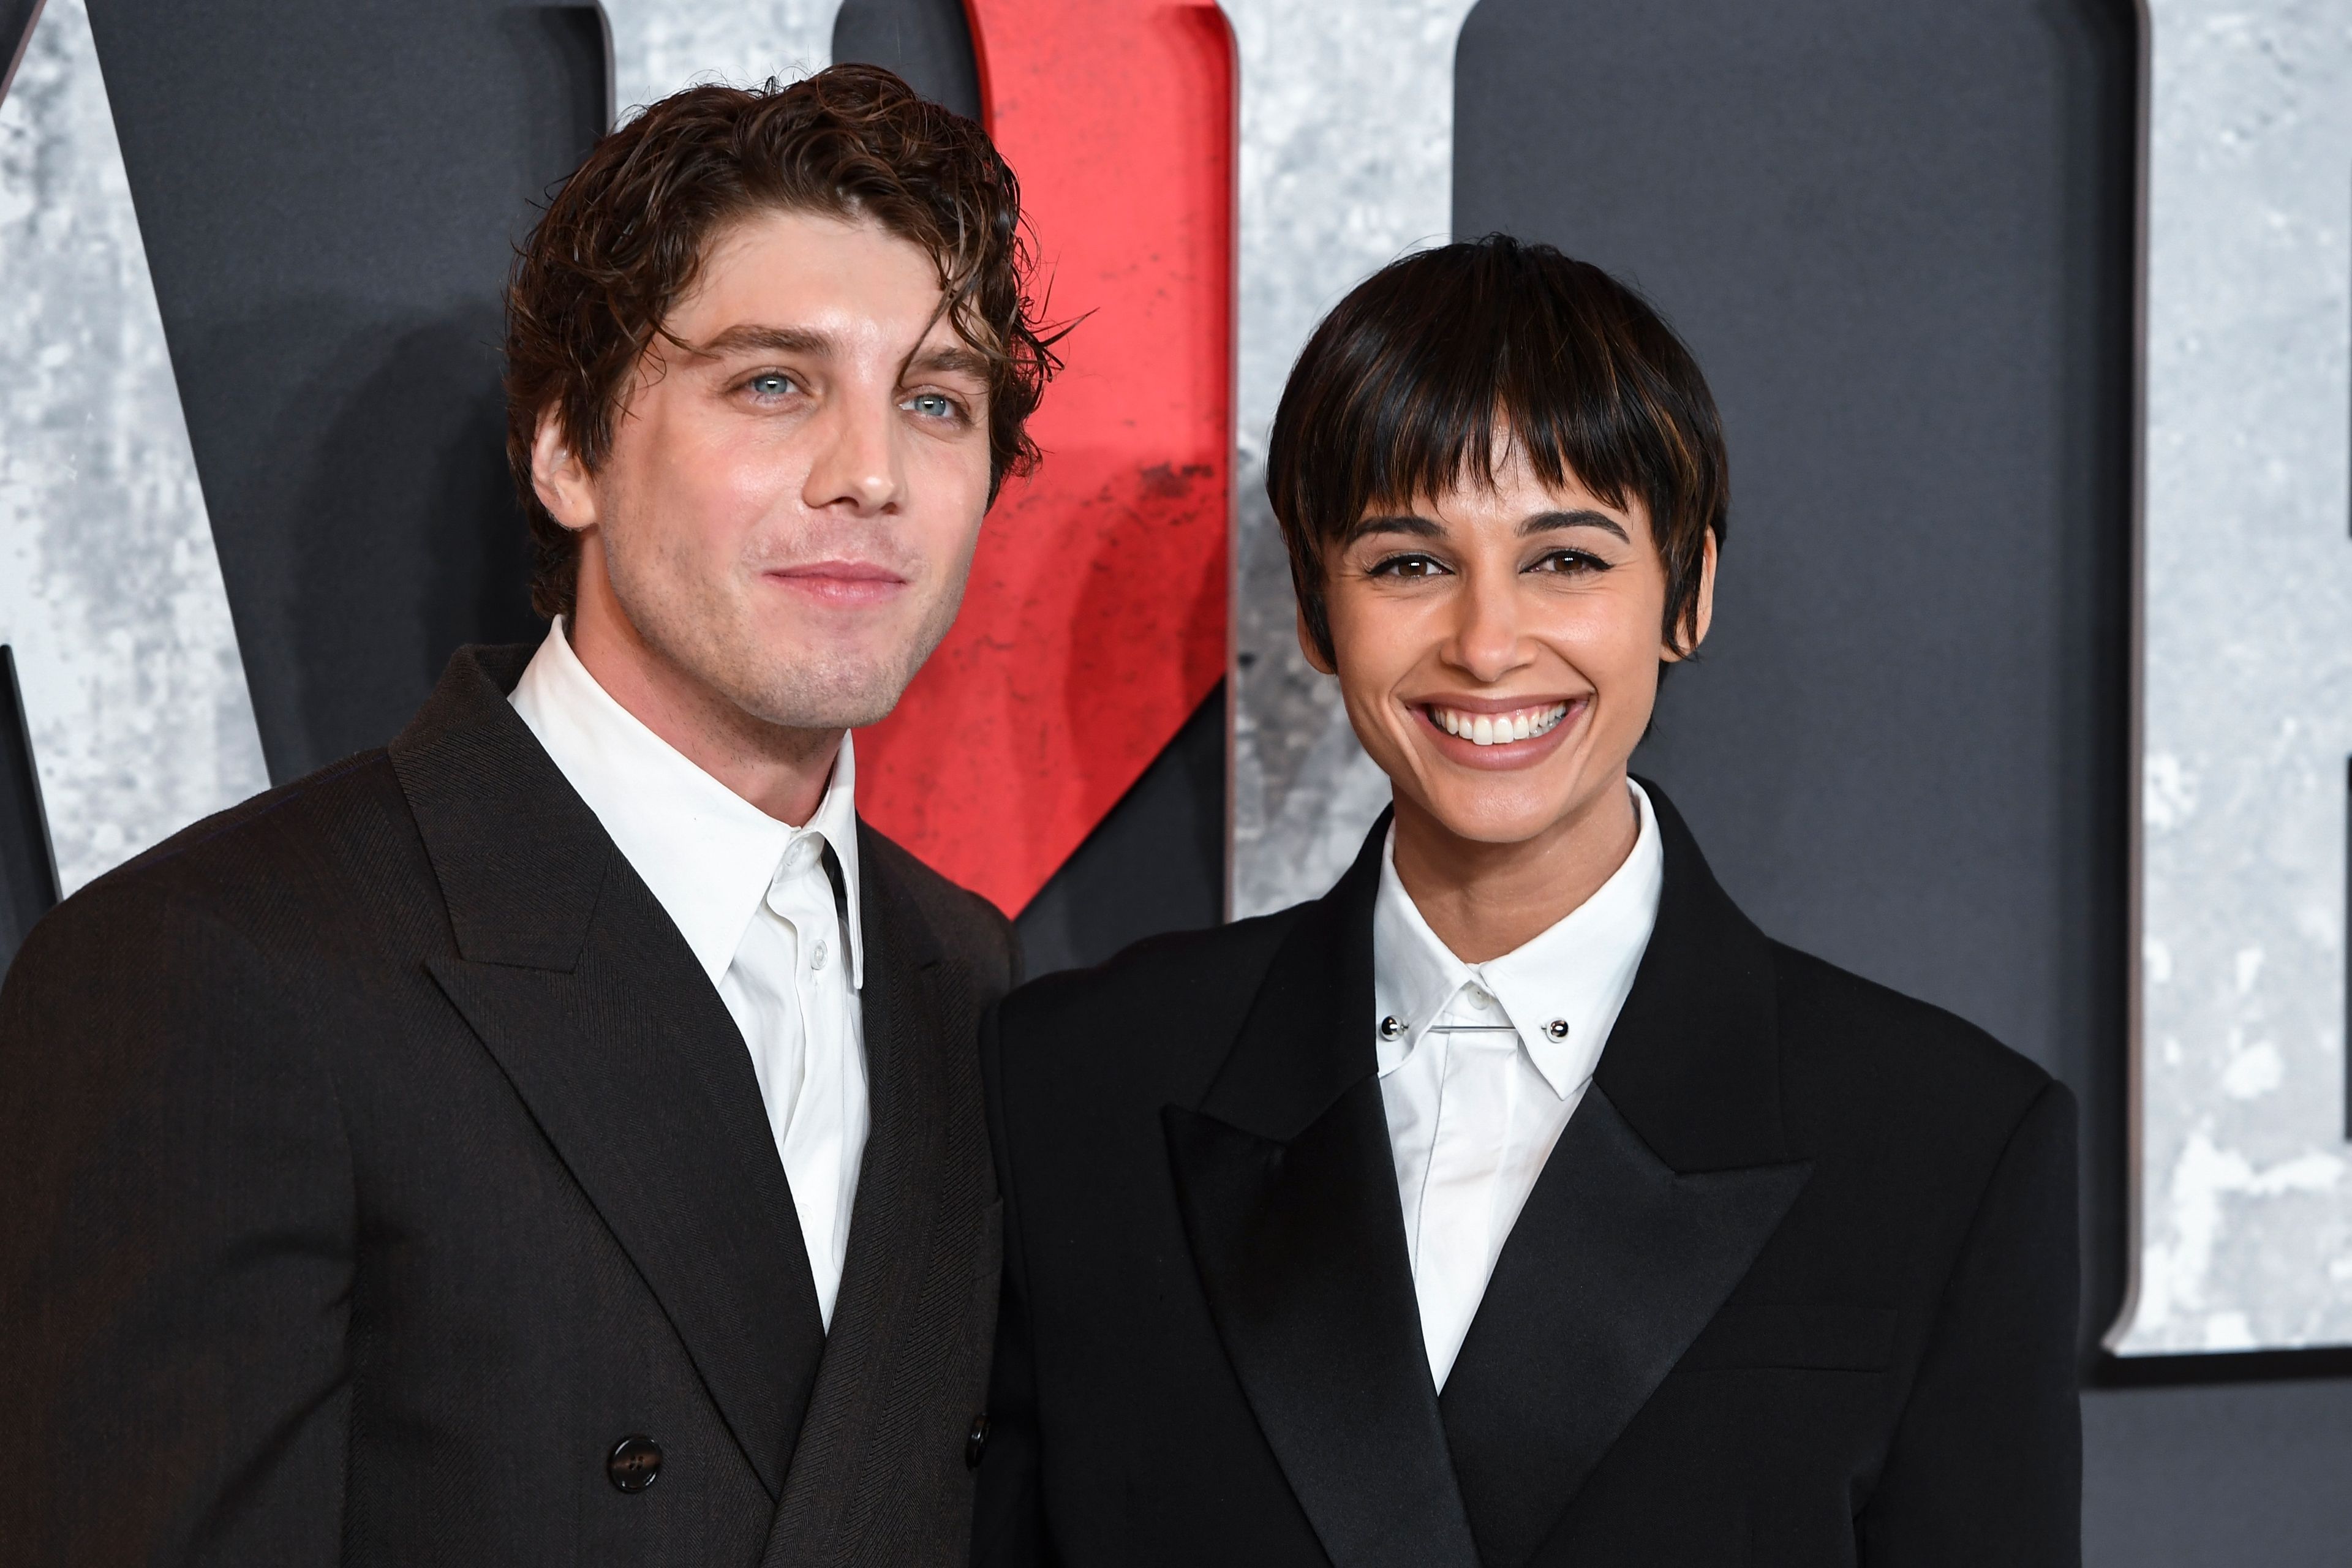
<point>1517,1201</point>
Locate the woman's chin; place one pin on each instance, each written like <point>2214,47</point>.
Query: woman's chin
<point>1476,816</point>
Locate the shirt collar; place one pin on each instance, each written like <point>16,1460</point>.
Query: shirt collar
<point>706,852</point>
<point>1580,970</point>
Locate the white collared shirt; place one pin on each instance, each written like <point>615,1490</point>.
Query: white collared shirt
<point>1485,1063</point>
<point>756,905</point>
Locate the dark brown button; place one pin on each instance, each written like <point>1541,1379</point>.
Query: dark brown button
<point>635,1463</point>
<point>976,1441</point>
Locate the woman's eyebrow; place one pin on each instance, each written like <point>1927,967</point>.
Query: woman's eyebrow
<point>1546,521</point>
<point>1403,523</point>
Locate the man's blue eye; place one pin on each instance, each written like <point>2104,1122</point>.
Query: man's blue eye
<point>932,404</point>
<point>772,385</point>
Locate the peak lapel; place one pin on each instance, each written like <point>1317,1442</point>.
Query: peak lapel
<point>1615,1265</point>
<point>1666,1186</point>
<point>582,988</point>
<point>843,1464</point>
<point>1288,1194</point>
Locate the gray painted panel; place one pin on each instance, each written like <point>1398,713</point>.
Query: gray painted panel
<point>2245,1192</point>
<point>660,46</point>
<point>1346,162</point>
<point>109,589</point>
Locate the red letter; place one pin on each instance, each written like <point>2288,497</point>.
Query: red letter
<point>1095,623</point>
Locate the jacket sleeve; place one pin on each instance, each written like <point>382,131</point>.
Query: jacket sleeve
<point>1008,1519</point>
<point>1987,1461</point>
<point>177,1266</point>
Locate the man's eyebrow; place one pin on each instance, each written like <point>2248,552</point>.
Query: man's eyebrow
<point>951,359</point>
<point>1399,522</point>
<point>748,338</point>
<point>1545,521</point>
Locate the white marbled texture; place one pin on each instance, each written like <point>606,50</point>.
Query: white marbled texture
<point>661,46</point>
<point>2242,1197</point>
<point>1346,162</point>
<point>110,591</point>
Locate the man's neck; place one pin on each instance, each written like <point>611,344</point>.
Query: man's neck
<point>782,771</point>
<point>1482,900</point>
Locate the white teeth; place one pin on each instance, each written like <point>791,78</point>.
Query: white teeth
<point>1498,729</point>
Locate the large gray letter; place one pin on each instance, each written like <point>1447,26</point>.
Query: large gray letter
<point>1346,162</point>
<point>660,46</point>
<point>109,591</point>
<point>2243,1209</point>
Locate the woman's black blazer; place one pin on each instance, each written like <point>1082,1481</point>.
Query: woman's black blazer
<point>1797,1286</point>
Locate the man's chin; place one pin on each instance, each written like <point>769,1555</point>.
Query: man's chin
<point>799,699</point>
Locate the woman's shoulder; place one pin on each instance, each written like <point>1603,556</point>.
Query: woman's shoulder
<point>1200,970</point>
<point>1888,1057</point>
<point>1161,1013</point>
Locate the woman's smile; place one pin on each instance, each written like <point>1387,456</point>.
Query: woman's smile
<point>1498,733</point>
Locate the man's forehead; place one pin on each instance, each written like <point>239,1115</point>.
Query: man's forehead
<point>809,272</point>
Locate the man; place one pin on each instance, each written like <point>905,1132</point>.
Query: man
<point>556,1138</point>
<point>1517,1202</point>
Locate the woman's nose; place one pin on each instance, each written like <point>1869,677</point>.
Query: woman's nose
<point>1486,638</point>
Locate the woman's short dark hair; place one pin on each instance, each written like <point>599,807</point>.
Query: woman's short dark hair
<point>1439,365</point>
<point>625,239</point>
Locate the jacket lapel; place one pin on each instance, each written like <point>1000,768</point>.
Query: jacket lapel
<point>582,989</point>
<point>1288,1195</point>
<point>1666,1186</point>
<point>910,995</point>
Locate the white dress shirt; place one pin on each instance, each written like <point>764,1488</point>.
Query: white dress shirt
<point>1483,1064</point>
<point>757,905</point>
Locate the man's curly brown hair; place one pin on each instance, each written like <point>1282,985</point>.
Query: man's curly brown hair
<point>625,238</point>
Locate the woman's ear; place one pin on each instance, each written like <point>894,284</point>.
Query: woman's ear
<point>1702,612</point>
<point>558,477</point>
<point>1307,645</point>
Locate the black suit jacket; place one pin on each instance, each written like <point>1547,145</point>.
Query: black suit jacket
<point>1797,1285</point>
<point>378,1156</point>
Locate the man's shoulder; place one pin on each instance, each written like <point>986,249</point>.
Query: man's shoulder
<point>237,903</point>
<point>309,840</point>
<point>966,927</point>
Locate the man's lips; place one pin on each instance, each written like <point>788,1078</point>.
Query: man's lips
<point>845,583</point>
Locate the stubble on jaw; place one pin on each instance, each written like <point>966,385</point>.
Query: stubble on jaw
<point>706,630</point>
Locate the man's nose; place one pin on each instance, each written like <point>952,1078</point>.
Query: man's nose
<point>856,459</point>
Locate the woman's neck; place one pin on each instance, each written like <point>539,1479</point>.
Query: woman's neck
<point>1486,899</point>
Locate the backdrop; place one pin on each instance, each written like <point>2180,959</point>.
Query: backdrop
<point>1899,236</point>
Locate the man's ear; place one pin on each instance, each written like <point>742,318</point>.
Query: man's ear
<point>1703,613</point>
<point>559,480</point>
<point>1307,645</point>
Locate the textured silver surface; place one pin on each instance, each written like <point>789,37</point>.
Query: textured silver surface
<point>109,591</point>
<point>661,46</point>
<point>1347,162</point>
<point>2244,1201</point>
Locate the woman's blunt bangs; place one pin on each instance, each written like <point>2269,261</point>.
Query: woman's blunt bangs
<point>1434,369</point>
